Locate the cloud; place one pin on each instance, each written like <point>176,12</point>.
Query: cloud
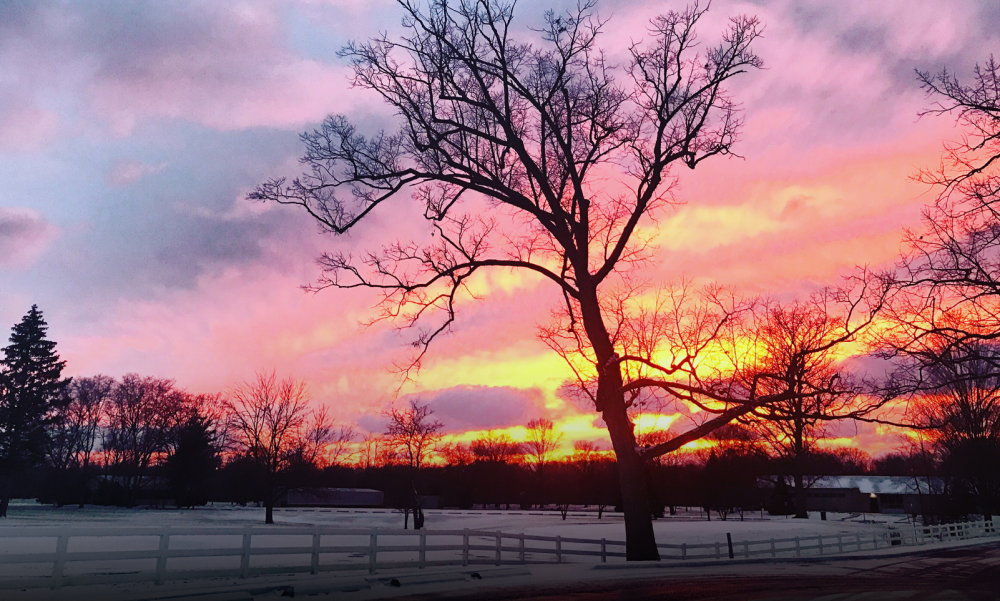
<point>484,407</point>
<point>125,172</point>
<point>23,235</point>
<point>26,127</point>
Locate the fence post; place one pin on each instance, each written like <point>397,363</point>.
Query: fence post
<point>729,541</point>
<point>520,544</point>
<point>684,551</point>
<point>604,550</point>
<point>373,551</point>
<point>558,549</point>
<point>819,542</point>
<point>499,542</point>
<point>245,559</point>
<point>774,552</point>
<point>465,547</point>
<point>161,561</point>
<point>840,543</point>
<point>798,549</point>
<point>423,548</point>
<point>60,562</point>
<point>718,550</point>
<point>859,541</point>
<point>746,549</point>
<point>314,565</point>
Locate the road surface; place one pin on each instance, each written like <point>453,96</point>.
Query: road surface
<point>971,573</point>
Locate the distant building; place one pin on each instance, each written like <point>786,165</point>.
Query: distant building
<point>334,497</point>
<point>866,494</point>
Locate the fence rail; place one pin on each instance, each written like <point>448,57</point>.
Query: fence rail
<point>155,552</point>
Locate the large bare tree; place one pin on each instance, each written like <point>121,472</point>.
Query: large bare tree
<point>948,295</point>
<point>528,151</point>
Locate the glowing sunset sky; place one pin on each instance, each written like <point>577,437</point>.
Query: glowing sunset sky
<point>130,133</point>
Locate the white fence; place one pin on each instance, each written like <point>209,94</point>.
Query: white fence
<point>56,557</point>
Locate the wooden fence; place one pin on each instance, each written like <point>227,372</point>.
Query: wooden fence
<point>113,555</point>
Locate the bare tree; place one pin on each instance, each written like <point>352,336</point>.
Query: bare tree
<point>73,437</point>
<point>949,278</point>
<point>327,444</point>
<point>542,441</point>
<point>800,342</point>
<point>456,454</point>
<point>142,417</point>
<point>413,432</point>
<point>376,451</point>
<point>496,447</point>
<point>535,156</point>
<point>959,414</point>
<point>269,422</point>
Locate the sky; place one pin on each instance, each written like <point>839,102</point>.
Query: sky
<point>131,132</point>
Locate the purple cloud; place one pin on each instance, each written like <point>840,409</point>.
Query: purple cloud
<point>23,234</point>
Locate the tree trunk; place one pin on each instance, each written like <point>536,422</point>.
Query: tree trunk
<point>800,496</point>
<point>5,486</point>
<point>640,542</point>
<point>269,512</point>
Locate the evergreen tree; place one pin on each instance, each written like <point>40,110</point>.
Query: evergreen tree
<point>192,466</point>
<point>32,390</point>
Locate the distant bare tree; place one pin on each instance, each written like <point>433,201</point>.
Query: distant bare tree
<point>799,344</point>
<point>542,441</point>
<point>375,451</point>
<point>327,444</point>
<point>413,432</point>
<point>142,417</point>
<point>456,454</point>
<point>269,422</point>
<point>959,415</point>
<point>496,447</point>
<point>538,156</point>
<point>74,436</point>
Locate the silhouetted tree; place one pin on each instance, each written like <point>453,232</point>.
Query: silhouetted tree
<point>142,417</point>
<point>798,344</point>
<point>509,147</point>
<point>32,393</point>
<point>541,443</point>
<point>413,432</point>
<point>74,434</point>
<point>948,281</point>
<point>191,468</point>
<point>959,412</point>
<point>269,421</point>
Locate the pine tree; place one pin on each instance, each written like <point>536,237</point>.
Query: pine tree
<point>31,391</point>
<point>192,466</point>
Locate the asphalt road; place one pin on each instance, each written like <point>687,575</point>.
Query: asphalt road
<point>971,573</point>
